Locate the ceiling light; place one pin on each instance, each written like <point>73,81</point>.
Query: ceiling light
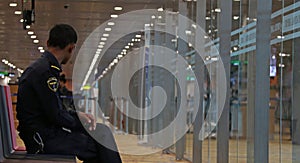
<point>27,26</point>
<point>13,4</point>
<point>120,56</point>
<point>118,8</point>
<point>33,36</point>
<point>188,32</point>
<point>280,37</point>
<point>101,43</point>
<point>124,50</point>
<point>153,16</point>
<point>159,17</point>
<point>194,26</point>
<point>107,29</point>
<point>36,41</point>
<point>115,60</point>
<point>126,47</point>
<point>114,16</point>
<point>160,9</point>
<point>111,23</point>
<point>105,35</point>
<point>103,39</point>
<point>214,58</point>
<point>236,17</point>
<point>40,48</point>
<point>207,18</point>
<point>18,12</point>
<point>131,44</point>
<point>138,36</point>
<point>100,46</point>
<point>217,10</point>
<point>30,32</point>
<point>21,20</point>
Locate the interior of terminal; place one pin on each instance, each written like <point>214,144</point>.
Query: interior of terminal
<point>174,80</point>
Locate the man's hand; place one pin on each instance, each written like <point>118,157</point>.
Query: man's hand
<point>87,119</point>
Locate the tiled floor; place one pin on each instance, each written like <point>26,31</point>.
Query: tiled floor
<point>237,151</point>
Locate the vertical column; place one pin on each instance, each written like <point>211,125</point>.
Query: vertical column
<point>295,100</point>
<point>249,131</point>
<point>199,72</point>
<point>182,49</point>
<point>224,26</point>
<point>262,81</point>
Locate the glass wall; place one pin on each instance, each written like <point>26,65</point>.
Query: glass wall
<point>256,118</point>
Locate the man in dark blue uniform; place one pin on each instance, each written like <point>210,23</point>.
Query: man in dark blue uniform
<point>43,125</point>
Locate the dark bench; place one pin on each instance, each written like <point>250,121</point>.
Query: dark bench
<point>9,149</point>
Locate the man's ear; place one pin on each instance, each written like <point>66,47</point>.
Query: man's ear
<point>70,48</point>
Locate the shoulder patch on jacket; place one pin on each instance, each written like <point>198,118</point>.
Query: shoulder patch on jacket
<point>53,84</point>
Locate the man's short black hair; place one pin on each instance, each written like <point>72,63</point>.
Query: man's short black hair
<point>62,35</point>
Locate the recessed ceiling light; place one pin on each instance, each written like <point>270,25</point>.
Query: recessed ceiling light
<point>111,23</point>
<point>18,12</point>
<point>105,35</point>
<point>13,4</point>
<point>107,29</point>
<point>36,41</point>
<point>103,39</point>
<point>126,47</point>
<point>114,16</point>
<point>33,36</point>
<point>27,26</point>
<point>153,16</point>
<point>40,48</point>
<point>115,61</point>
<point>21,20</point>
<point>118,8</point>
<point>138,36</point>
<point>30,32</point>
<point>236,17</point>
<point>100,46</point>
<point>102,43</point>
<point>160,9</point>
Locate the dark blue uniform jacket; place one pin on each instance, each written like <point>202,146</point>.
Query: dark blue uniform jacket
<point>39,108</point>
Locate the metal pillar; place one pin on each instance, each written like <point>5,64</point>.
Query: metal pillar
<point>295,100</point>
<point>261,85</point>
<point>224,26</point>
<point>182,49</point>
<point>199,72</point>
